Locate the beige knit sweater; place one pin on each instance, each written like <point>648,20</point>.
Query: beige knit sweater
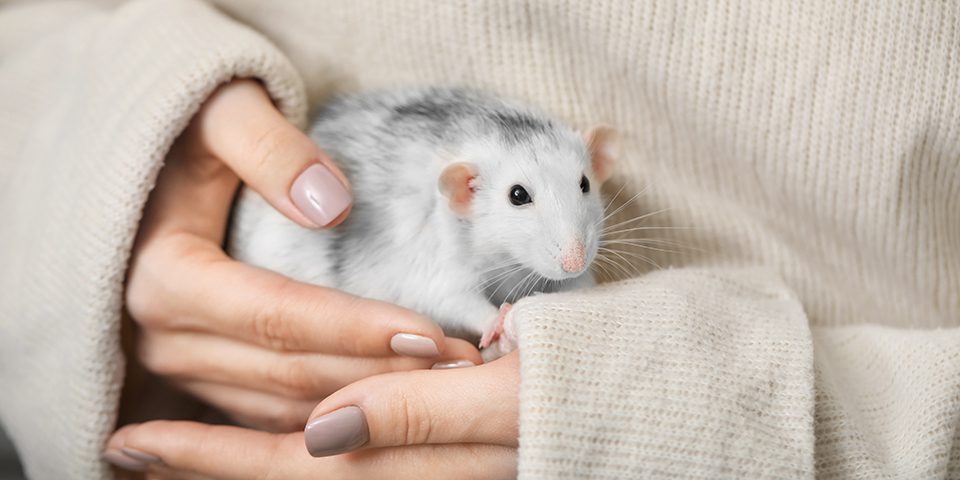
<point>806,320</point>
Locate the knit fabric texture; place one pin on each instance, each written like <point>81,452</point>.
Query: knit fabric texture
<point>91,104</point>
<point>787,307</point>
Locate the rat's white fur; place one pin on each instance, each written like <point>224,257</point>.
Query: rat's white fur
<point>402,243</point>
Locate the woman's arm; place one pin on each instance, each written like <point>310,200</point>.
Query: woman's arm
<point>692,372</point>
<point>683,373</point>
<point>92,102</point>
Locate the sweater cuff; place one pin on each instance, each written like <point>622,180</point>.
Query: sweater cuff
<point>105,95</point>
<point>678,374</point>
<point>185,49</point>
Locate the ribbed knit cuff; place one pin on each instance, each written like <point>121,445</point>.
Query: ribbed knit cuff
<point>678,374</point>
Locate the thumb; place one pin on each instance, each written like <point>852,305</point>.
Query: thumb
<point>240,125</point>
<point>463,405</point>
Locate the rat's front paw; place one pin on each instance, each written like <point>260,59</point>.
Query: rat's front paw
<point>493,332</point>
<point>500,339</point>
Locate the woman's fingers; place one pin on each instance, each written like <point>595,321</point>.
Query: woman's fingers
<point>178,448</point>
<point>218,295</point>
<point>251,408</point>
<point>240,125</point>
<point>193,356</point>
<point>220,451</point>
<point>238,132</point>
<point>468,405</point>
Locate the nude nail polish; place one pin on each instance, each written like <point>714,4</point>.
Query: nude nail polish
<point>319,195</point>
<point>452,364</point>
<point>141,456</point>
<point>118,458</point>
<point>336,432</point>
<point>414,345</point>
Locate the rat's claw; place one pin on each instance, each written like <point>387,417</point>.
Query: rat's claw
<point>493,334</point>
<point>496,329</point>
<point>488,338</point>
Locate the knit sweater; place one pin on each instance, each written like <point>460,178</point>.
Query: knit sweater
<point>790,306</point>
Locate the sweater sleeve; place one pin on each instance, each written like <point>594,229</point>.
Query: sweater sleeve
<point>92,98</point>
<point>692,373</point>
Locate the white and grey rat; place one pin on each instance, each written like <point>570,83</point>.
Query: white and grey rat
<point>463,202</point>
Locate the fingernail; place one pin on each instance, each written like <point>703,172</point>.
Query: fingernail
<point>123,461</point>
<point>452,364</point>
<point>336,432</point>
<point>138,455</point>
<point>413,345</point>
<point>319,195</point>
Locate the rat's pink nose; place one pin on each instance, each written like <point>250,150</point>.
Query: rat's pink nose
<point>572,258</point>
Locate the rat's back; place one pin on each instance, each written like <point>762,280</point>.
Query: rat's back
<point>392,146</point>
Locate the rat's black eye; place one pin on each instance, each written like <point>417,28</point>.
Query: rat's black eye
<point>584,184</point>
<point>519,196</point>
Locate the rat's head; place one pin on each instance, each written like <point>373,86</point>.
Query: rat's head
<point>533,198</point>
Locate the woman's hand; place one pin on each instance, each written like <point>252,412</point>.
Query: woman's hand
<point>459,423</point>
<point>261,347</point>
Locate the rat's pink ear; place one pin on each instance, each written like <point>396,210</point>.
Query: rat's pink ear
<point>603,144</point>
<point>456,183</point>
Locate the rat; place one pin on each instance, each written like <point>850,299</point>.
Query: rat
<point>463,204</point>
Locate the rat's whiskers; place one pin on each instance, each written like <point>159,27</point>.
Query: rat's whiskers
<point>621,253</point>
<point>621,207</point>
<point>603,268</point>
<point>613,198</point>
<point>601,259</point>
<point>516,287</point>
<point>499,277</point>
<point>639,244</point>
<point>634,219</point>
